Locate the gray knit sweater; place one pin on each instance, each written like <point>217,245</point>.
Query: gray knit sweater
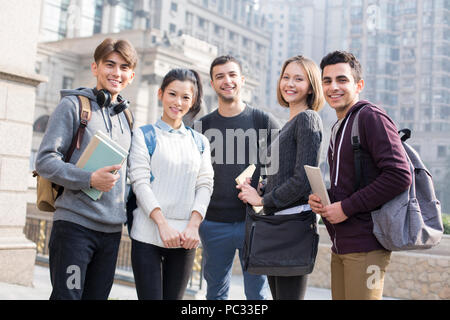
<point>108,213</point>
<point>298,144</point>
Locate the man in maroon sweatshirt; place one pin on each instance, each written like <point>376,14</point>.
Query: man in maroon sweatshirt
<point>358,261</point>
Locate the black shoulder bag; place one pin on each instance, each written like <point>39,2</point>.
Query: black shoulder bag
<point>279,245</point>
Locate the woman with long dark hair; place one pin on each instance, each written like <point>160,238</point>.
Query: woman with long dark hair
<point>173,183</point>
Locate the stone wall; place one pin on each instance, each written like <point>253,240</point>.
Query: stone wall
<point>423,274</point>
<point>19,25</point>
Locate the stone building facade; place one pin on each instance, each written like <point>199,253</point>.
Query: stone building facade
<point>18,82</point>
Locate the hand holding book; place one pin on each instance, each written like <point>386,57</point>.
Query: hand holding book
<point>249,194</point>
<point>104,158</point>
<point>105,178</point>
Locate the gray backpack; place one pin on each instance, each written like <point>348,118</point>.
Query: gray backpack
<point>411,220</point>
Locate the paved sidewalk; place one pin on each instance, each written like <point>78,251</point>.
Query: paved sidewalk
<point>42,288</point>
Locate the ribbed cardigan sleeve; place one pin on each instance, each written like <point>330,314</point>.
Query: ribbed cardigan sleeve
<point>139,163</point>
<point>205,181</point>
<point>308,137</point>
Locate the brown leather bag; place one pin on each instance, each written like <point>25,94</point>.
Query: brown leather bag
<point>47,191</point>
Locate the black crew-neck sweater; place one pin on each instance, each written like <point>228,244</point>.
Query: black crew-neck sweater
<point>230,155</point>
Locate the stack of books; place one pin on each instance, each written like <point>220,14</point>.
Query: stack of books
<point>101,152</point>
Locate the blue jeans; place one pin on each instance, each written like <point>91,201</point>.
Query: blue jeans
<point>220,241</point>
<point>82,262</point>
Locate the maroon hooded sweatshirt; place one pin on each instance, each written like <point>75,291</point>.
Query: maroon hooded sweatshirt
<point>388,175</point>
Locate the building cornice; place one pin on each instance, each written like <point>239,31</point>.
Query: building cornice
<point>31,79</point>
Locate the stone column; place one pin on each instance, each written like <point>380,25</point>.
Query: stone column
<point>19,27</point>
<point>109,15</point>
<point>153,111</point>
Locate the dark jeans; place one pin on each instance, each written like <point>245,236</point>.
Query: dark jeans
<point>160,273</point>
<point>82,262</point>
<point>288,288</point>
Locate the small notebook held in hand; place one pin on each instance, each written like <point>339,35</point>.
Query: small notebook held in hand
<point>101,152</point>
<point>317,185</point>
<point>248,173</point>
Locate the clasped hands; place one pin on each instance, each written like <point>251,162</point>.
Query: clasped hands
<point>172,238</point>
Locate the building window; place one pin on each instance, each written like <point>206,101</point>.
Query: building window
<point>442,151</point>
<point>98,16</point>
<point>172,28</point>
<point>38,67</point>
<point>124,15</point>
<point>189,17</point>
<point>245,42</point>
<point>218,29</point>
<point>55,16</point>
<point>67,82</point>
<point>202,23</point>
<point>174,6</point>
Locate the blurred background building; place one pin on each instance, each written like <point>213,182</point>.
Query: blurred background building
<point>404,48</point>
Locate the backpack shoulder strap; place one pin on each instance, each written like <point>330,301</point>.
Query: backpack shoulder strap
<point>150,141</point>
<point>150,137</point>
<point>260,119</point>
<point>130,118</point>
<point>85,116</point>
<point>357,150</point>
<point>261,122</point>
<point>198,139</point>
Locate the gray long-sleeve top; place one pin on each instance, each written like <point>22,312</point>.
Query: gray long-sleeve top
<point>107,214</point>
<point>298,144</point>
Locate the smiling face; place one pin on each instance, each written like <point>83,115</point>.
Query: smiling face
<point>113,74</point>
<point>177,98</point>
<point>340,88</point>
<point>294,85</point>
<point>227,81</point>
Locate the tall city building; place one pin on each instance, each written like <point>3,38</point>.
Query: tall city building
<point>296,28</point>
<point>404,47</point>
<point>234,26</point>
<point>167,34</point>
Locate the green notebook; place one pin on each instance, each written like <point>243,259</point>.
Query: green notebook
<point>101,152</point>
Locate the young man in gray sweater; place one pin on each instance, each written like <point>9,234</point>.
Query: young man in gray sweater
<point>86,234</point>
<point>233,130</point>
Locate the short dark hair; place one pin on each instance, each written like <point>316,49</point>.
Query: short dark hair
<point>186,75</point>
<point>343,57</point>
<point>122,47</point>
<point>222,60</point>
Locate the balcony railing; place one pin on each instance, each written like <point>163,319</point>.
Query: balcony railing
<point>38,227</point>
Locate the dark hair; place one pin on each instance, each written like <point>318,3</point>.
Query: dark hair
<point>186,75</point>
<point>222,60</point>
<point>122,47</point>
<point>343,57</point>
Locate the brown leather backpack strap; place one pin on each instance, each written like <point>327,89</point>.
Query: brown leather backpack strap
<point>130,118</point>
<point>85,116</point>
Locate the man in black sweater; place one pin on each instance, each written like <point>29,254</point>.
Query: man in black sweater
<point>235,131</point>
